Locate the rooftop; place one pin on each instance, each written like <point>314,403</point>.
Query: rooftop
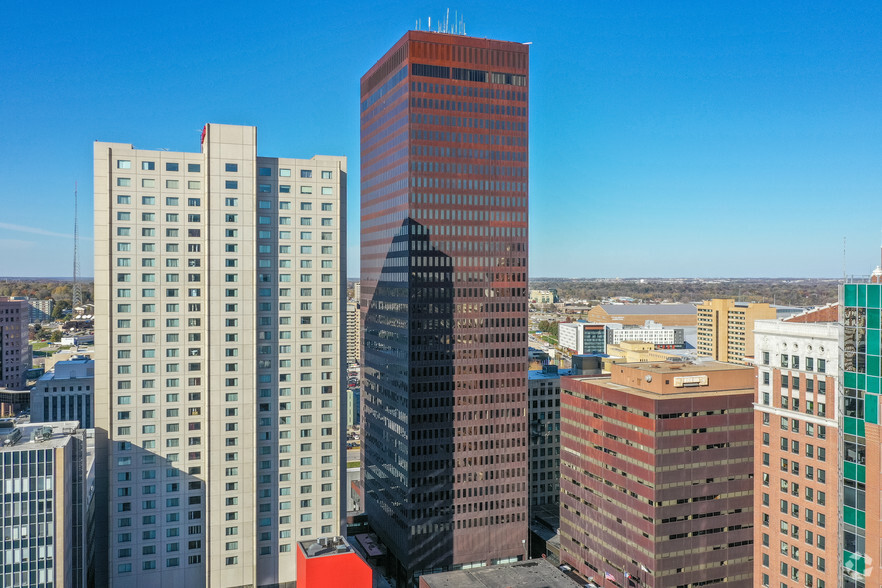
<point>533,573</point>
<point>700,366</point>
<point>44,435</point>
<point>544,375</point>
<point>649,308</point>
<point>677,378</point>
<point>325,546</point>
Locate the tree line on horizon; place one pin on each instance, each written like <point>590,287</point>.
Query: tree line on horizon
<point>806,292</point>
<point>61,292</point>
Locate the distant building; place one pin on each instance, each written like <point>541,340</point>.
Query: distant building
<point>47,494</point>
<point>651,332</point>
<point>534,573</point>
<point>66,393</point>
<point>41,310</point>
<point>657,475</point>
<point>543,296</point>
<point>15,350</point>
<point>77,340</point>
<point>796,445</point>
<point>581,337</point>
<point>725,327</point>
<point>331,561</point>
<point>640,352</point>
<point>353,333</point>
<point>682,315</point>
<point>353,406</point>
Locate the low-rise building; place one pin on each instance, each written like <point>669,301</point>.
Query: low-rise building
<point>637,314</point>
<point>543,296</point>
<point>652,332</point>
<point>66,393</point>
<point>331,561</point>
<point>640,352</point>
<point>581,337</point>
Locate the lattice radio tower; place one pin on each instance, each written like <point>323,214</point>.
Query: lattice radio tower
<point>77,293</point>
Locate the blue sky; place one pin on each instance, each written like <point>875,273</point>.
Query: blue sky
<point>666,138</point>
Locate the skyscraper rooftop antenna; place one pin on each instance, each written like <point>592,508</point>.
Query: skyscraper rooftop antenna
<point>457,27</point>
<point>77,294</point>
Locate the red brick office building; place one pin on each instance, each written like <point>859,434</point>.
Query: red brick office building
<point>656,475</point>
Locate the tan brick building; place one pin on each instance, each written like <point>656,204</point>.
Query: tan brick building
<point>725,327</point>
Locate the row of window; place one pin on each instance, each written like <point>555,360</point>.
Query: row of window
<point>228,167</point>
<point>228,201</point>
<point>793,362</point>
<point>794,426</point>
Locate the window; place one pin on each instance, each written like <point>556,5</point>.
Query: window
<point>327,175</point>
<point>264,171</point>
<point>231,184</point>
<point>123,164</point>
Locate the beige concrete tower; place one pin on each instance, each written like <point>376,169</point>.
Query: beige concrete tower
<point>220,313</point>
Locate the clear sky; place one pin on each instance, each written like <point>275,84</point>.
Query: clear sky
<point>666,138</point>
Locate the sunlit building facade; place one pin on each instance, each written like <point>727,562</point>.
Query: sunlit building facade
<point>444,300</point>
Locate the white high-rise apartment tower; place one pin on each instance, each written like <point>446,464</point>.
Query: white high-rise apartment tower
<point>220,286</point>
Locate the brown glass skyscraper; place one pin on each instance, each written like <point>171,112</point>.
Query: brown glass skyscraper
<point>444,299</point>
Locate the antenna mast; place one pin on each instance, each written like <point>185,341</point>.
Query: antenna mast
<point>77,294</point>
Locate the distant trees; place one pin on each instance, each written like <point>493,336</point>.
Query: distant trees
<point>804,292</point>
<point>59,309</point>
<point>43,289</point>
<point>548,327</point>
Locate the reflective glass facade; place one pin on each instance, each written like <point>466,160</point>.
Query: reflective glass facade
<point>444,299</point>
<point>860,384</point>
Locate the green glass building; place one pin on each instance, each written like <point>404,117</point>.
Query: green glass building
<point>860,443</point>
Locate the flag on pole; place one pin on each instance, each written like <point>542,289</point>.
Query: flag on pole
<point>609,576</point>
<point>627,575</point>
<point>643,569</point>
